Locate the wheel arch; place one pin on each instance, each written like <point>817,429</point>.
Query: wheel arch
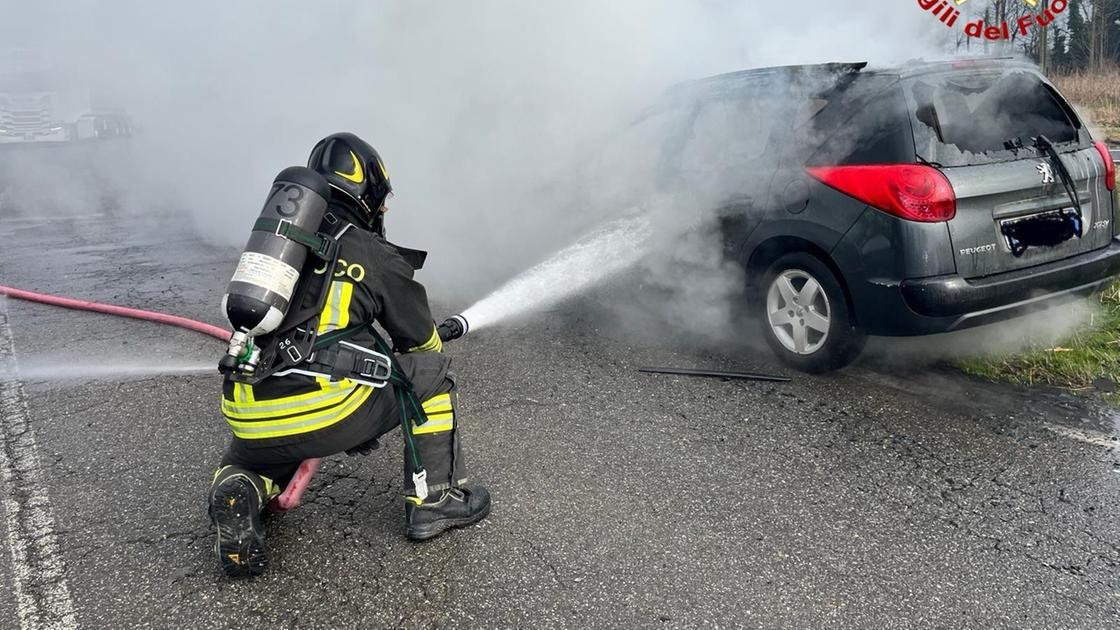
<point>770,250</point>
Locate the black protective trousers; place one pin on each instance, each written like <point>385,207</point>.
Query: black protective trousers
<point>439,449</point>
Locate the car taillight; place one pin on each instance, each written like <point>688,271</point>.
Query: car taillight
<point>914,192</point>
<point>1109,165</point>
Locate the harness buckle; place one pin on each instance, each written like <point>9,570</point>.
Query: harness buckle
<point>369,366</point>
<point>281,230</point>
<point>374,368</point>
<point>326,247</point>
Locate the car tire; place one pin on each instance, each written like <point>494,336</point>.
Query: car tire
<point>803,312</point>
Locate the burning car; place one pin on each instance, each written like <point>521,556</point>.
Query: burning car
<point>904,201</point>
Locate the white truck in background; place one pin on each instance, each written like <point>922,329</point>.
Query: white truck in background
<point>39,105</point>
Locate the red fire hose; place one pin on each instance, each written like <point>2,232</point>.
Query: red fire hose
<point>121,311</point>
<point>292,494</point>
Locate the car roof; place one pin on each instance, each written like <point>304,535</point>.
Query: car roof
<point>919,67</point>
<point>732,83</point>
<point>744,78</point>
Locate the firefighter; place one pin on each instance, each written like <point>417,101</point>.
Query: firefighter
<point>283,420</point>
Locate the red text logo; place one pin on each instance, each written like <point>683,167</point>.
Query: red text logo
<point>948,13</point>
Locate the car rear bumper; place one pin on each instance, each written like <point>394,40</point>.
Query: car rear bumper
<point>946,303</point>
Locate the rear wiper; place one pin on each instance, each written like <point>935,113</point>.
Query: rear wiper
<point>1046,148</point>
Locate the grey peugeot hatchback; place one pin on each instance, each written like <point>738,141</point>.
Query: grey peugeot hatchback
<point>905,201</point>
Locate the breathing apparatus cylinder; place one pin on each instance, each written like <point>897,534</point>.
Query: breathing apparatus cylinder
<point>452,328</point>
<point>261,289</point>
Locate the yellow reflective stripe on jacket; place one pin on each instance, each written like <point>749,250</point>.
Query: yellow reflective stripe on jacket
<point>438,403</point>
<point>336,312</point>
<point>433,344</point>
<point>304,423</point>
<point>242,393</point>
<point>327,395</point>
<point>436,424</point>
<point>441,417</point>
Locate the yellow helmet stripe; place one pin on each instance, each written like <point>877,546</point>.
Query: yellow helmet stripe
<point>356,176</point>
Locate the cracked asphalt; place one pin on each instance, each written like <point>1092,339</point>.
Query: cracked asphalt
<point>881,497</point>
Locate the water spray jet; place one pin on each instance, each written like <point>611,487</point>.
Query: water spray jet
<point>604,252</point>
<point>51,372</point>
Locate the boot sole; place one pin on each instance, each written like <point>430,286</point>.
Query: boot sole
<point>240,544</point>
<point>431,530</point>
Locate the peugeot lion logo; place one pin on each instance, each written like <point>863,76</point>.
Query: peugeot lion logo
<point>1047,173</point>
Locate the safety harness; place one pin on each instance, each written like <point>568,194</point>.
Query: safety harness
<point>321,246</point>
<point>297,348</point>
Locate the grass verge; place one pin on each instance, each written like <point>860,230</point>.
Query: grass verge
<point>1089,361</point>
<point>1097,93</point>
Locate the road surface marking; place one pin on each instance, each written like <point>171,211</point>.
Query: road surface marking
<point>42,595</point>
<point>1084,435</point>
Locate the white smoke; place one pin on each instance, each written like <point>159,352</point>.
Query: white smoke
<point>485,111</point>
<point>506,125</point>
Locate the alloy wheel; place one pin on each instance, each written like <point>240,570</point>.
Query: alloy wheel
<point>798,311</point>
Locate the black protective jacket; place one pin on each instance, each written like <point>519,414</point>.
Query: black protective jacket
<point>372,282</point>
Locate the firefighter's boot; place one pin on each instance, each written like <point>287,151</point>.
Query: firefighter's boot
<point>236,499</point>
<point>456,507</point>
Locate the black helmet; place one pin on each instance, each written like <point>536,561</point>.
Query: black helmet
<point>355,171</point>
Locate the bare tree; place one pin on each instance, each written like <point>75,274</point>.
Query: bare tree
<point>1104,13</point>
<point>1043,42</point>
<point>1091,30</point>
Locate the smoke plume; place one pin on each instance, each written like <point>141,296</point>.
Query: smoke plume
<point>508,127</point>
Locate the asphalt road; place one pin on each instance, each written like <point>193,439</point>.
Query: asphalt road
<point>881,497</point>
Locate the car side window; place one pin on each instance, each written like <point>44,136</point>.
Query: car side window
<point>728,135</point>
<point>704,147</point>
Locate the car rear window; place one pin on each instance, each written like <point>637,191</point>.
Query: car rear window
<point>976,117</point>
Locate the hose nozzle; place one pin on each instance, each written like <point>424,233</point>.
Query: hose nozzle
<point>453,327</point>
